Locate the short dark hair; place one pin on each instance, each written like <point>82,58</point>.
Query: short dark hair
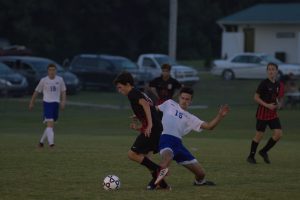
<point>51,65</point>
<point>272,64</point>
<point>166,66</point>
<point>187,90</point>
<point>124,78</point>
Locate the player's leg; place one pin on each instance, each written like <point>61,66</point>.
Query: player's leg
<point>50,133</point>
<point>139,153</point>
<point>277,134</point>
<point>199,173</point>
<point>167,157</point>
<point>260,129</point>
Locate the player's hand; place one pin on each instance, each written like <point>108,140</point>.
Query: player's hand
<point>224,109</point>
<point>148,130</point>
<point>134,126</point>
<point>272,106</point>
<point>62,105</point>
<point>31,105</point>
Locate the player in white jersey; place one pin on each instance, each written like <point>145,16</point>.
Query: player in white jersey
<point>54,93</point>
<point>177,122</point>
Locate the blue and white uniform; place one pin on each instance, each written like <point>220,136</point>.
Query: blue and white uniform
<point>177,123</point>
<point>51,89</point>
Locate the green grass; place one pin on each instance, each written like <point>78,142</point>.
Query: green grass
<point>93,142</point>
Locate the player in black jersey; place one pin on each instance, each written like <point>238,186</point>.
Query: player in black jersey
<point>150,130</point>
<point>164,87</point>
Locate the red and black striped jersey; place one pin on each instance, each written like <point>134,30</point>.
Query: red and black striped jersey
<point>134,96</point>
<point>269,92</point>
<point>165,88</point>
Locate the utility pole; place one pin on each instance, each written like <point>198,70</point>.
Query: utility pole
<point>172,28</point>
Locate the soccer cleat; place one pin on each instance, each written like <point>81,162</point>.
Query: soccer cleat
<point>40,145</point>
<point>251,160</point>
<point>265,156</point>
<point>204,183</point>
<point>163,185</point>
<point>151,185</point>
<point>161,174</point>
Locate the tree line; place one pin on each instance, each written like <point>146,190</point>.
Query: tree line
<point>63,28</point>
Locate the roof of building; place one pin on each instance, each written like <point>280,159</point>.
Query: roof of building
<point>273,13</point>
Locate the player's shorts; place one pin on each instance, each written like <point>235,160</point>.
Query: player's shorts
<point>273,124</point>
<point>144,145</point>
<point>181,154</point>
<point>51,111</point>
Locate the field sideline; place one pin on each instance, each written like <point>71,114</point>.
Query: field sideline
<point>93,142</point>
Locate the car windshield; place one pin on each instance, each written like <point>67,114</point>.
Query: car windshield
<point>4,69</point>
<point>165,60</point>
<point>41,65</point>
<point>125,64</point>
<point>269,58</point>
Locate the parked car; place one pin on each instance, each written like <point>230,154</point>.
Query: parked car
<point>152,63</point>
<point>34,68</point>
<point>98,70</point>
<point>12,83</point>
<point>250,66</point>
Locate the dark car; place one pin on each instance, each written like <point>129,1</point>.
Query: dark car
<point>34,68</point>
<point>97,70</point>
<point>12,83</point>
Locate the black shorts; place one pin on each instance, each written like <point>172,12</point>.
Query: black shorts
<point>262,124</point>
<point>144,145</point>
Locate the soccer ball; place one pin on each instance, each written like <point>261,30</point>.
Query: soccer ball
<point>111,182</point>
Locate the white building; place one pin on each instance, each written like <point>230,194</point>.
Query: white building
<point>268,28</point>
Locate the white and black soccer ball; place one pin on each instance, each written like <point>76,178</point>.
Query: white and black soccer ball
<point>111,182</point>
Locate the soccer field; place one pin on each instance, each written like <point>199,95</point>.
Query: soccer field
<point>93,142</point>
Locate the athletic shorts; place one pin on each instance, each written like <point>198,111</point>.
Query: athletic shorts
<point>262,124</point>
<point>51,111</point>
<point>144,145</point>
<point>181,154</point>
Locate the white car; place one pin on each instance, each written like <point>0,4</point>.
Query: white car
<point>250,66</point>
<point>151,63</point>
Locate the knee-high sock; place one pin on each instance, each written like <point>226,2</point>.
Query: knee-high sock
<point>50,135</point>
<point>44,136</point>
<point>269,145</point>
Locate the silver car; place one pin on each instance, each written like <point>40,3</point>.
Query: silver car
<point>251,66</point>
<point>12,83</point>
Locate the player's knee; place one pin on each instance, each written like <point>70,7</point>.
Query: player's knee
<point>277,135</point>
<point>132,155</point>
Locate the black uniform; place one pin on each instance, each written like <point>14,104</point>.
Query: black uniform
<point>165,89</point>
<point>144,144</point>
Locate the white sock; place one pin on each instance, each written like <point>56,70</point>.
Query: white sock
<point>50,135</point>
<point>44,136</point>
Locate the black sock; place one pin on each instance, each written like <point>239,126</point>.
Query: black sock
<point>269,145</point>
<point>150,165</point>
<point>253,148</point>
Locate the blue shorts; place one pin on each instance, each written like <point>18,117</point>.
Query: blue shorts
<point>181,154</point>
<point>51,111</point>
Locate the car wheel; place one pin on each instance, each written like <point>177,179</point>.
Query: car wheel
<point>228,75</point>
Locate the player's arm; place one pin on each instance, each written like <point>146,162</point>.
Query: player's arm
<point>224,109</point>
<point>258,100</point>
<point>63,99</point>
<point>31,103</point>
<point>147,110</point>
<point>154,91</point>
<point>135,125</point>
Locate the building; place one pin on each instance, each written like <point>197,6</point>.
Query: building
<point>269,28</point>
